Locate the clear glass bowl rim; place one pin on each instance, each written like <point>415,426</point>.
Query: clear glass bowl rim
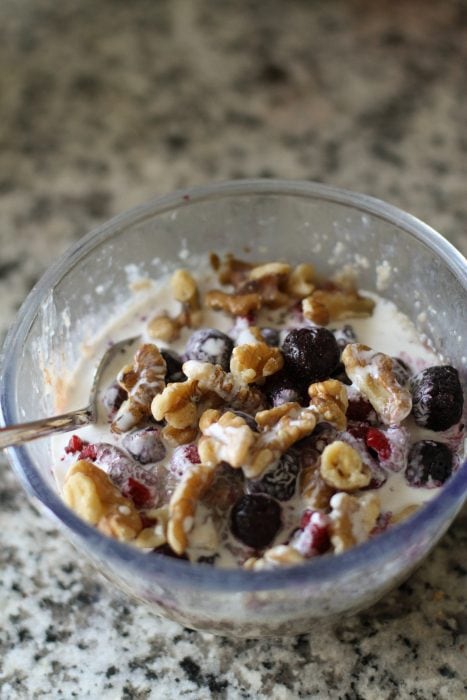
<point>201,576</point>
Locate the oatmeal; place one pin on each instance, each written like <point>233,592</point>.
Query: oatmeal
<point>265,417</point>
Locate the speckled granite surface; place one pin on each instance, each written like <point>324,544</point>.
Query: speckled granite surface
<point>106,104</point>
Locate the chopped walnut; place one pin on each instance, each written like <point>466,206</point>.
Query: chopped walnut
<point>226,438</point>
<point>252,363</point>
<point>237,303</point>
<point>329,400</point>
<point>183,503</point>
<point>314,490</point>
<point>373,375</point>
<point>154,535</point>
<point>301,281</point>
<point>143,380</point>
<point>176,405</point>
<point>324,306</point>
<point>281,555</point>
<point>231,270</point>
<point>275,269</point>
<point>352,519</point>
<point>91,494</point>
<point>342,467</point>
<point>251,451</point>
<point>403,514</point>
<point>213,378</point>
<point>185,290</point>
<point>164,328</point>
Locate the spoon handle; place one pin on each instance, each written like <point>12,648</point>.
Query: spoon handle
<point>24,432</point>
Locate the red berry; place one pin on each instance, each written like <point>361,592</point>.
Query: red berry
<point>88,452</point>
<point>313,537</point>
<point>75,445</point>
<point>137,492</point>
<point>377,441</point>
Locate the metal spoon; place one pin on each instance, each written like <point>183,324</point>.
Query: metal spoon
<point>24,432</point>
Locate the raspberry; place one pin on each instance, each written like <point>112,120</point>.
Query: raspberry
<point>174,366</point>
<point>430,464</point>
<point>377,441</point>
<point>255,520</point>
<point>281,388</point>
<point>280,480</point>
<point>88,452</point>
<point>313,537</point>
<point>121,468</point>
<point>137,492</point>
<point>210,345</point>
<point>145,445</point>
<point>310,354</point>
<point>437,398</point>
<point>74,445</point>
<point>183,458</point>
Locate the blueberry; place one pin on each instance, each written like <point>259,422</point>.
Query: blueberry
<point>112,398</point>
<point>344,336</point>
<point>279,481</point>
<point>271,336</point>
<point>281,388</point>
<point>210,345</point>
<point>255,520</point>
<point>310,354</point>
<point>437,398</point>
<point>145,445</point>
<point>430,464</point>
<point>174,366</point>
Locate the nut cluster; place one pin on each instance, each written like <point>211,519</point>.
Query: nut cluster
<point>373,375</point>
<point>185,290</point>
<point>142,380</point>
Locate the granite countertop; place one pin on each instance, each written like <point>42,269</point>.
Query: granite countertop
<point>104,105</point>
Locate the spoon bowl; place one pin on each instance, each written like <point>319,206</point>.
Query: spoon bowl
<point>25,432</point>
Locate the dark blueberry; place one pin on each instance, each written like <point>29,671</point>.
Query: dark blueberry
<point>174,366</point>
<point>430,464</point>
<point>145,445</point>
<point>210,345</point>
<point>401,370</point>
<point>359,409</point>
<point>281,388</point>
<point>124,471</point>
<point>167,551</point>
<point>280,480</point>
<point>255,520</point>
<point>112,398</point>
<point>271,336</point>
<point>437,398</point>
<point>341,375</point>
<point>344,336</point>
<point>311,354</point>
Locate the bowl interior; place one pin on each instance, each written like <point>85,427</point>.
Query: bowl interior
<point>390,252</point>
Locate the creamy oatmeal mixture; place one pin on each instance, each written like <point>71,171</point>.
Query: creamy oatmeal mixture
<point>263,417</point>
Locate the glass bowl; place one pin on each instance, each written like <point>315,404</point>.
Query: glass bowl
<point>262,220</point>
